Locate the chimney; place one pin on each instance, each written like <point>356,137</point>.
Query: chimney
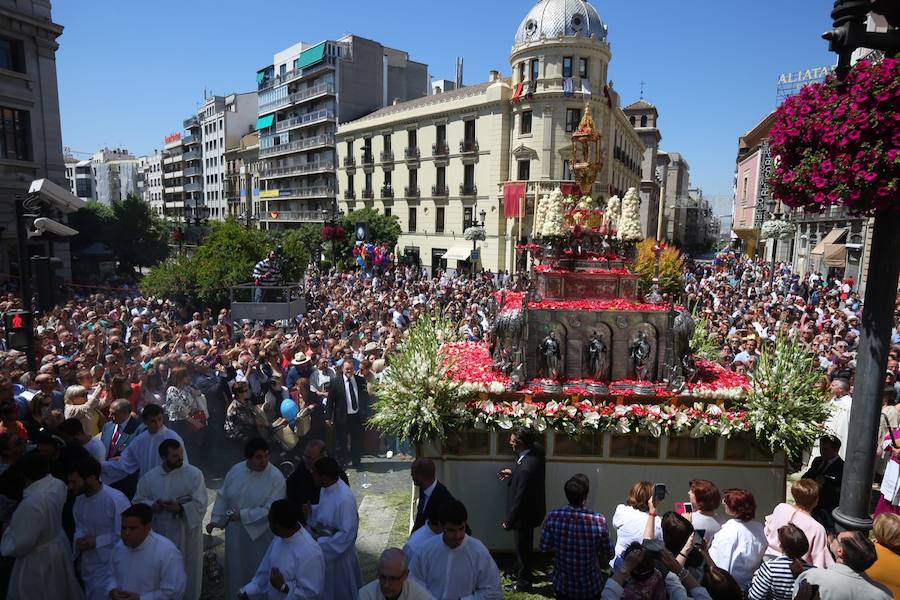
<point>493,75</point>
<point>459,73</point>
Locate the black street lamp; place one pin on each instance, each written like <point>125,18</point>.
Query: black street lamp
<point>483,215</point>
<point>775,215</point>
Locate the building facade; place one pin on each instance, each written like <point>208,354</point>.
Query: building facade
<point>644,118</point>
<point>31,141</point>
<point>153,182</point>
<point>173,177</point>
<point>440,162</point>
<point>242,179</point>
<point>303,95</point>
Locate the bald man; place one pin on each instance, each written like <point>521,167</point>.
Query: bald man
<point>431,490</point>
<point>393,582</point>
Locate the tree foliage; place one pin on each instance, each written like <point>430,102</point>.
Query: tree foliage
<point>784,402</point>
<point>671,268</point>
<point>416,396</point>
<point>382,228</point>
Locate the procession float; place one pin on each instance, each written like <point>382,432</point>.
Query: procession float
<point>605,372</point>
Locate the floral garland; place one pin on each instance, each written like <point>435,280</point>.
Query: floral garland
<point>613,213</point>
<point>777,229</point>
<point>841,146</point>
<point>629,229</point>
<point>475,233</point>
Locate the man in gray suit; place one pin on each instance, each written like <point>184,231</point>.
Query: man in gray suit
<point>115,437</point>
<point>845,580</point>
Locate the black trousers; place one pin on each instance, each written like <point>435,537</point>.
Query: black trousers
<point>524,540</point>
<point>352,428</point>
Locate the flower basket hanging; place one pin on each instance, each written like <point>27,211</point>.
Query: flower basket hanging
<point>776,229</point>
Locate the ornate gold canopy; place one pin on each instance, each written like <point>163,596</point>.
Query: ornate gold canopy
<point>586,154</point>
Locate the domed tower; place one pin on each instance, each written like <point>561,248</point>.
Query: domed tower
<point>559,62</point>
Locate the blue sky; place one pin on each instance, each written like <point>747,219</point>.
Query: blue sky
<point>130,71</point>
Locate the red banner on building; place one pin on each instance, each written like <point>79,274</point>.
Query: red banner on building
<point>513,199</point>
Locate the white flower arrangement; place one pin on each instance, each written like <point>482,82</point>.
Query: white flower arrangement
<point>613,212</point>
<point>540,213</point>
<point>554,214</point>
<point>777,229</point>
<point>475,233</point>
<point>629,229</point>
<point>586,203</point>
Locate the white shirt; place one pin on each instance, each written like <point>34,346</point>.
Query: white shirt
<point>412,590</point>
<point>417,539</point>
<point>99,516</point>
<point>630,524</point>
<point>141,455</point>
<point>301,563</point>
<point>95,448</point>
<point>739,548</point>
<point>348,382</point>
<point>711,525</point>
<point>467,572</point>
<point>153,570</point>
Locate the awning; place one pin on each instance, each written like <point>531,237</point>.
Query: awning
<point>833,236</point>
<point>266,121</point>
<point>260,76</point>
<point>311,56</point>
<point>835,255</point>
<point>459,251</point>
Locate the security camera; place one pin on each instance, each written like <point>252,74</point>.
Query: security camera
<point>59,197</point>
<point>45,225</point>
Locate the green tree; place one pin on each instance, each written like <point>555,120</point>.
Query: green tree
<point>94,223</point>
<point>382,228</point>
<point>138,237</point>
<point>300,246</point>
<point>226,258</point>
<point>173,278</point>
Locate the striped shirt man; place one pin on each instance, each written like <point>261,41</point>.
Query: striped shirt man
<point>267,271</point>
<point>774,580</point>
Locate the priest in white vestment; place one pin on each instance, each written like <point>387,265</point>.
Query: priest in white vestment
<point>177,494</point>
<point>421,536</point>
<point>242,510</point>
<point>335,523</point>
<point>393,581</point>
<point>142,454</point>
<point>293,566</point>
<point>145,563</point>
<point>35,538</point>
<point>455,565</point>
<point>98,523</point>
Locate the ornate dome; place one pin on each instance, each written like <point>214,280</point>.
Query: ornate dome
<point>553,18</point>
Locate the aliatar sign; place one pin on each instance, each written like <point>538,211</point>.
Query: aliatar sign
<point>172,137</point>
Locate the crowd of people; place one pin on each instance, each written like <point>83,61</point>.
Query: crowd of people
<point>106,450</point>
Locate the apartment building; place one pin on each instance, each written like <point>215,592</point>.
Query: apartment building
<point>173,177</point>
<point>153,182</point>
<point>303,95</point>
<point>242,179</point>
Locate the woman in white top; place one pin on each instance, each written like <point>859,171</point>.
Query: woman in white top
<point>705,499</point>
<point>741,543</point>
<point>630,519</point>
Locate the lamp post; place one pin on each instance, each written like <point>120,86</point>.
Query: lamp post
<point>850,33</point>
<point>483,215</point>
<point>774,214</point>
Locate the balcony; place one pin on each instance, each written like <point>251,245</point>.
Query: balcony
<point>305,120</point>
<point>302,96</point>
<point>190,140</point>
<point>440,191</point>
<point>291,216</point>
<point>468,190</point>
<point>468,146</point>
<point>411,153</point>
<point>311,191</point>
<point>440,149</point>
<point>193,171</point>
<point>191,122</point>
<point>368,194</point>
<point>349,162</point>
<point>367,158</point>
<point>349,195</point>
<point>194,186</point>
<point>321,166</point>
<point>192,155</point>
<point>387,156</point>
<point>411,192</point>
<point>387,191</point>
<point>298,145</point>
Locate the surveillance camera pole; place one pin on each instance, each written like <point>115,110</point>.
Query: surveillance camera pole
<point>22,243</point>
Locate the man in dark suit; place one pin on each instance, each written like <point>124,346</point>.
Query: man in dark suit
<point>302,488</point>
<point>827,470</point>
<point>526,502</point>
<point>347,410</point>
<point>115,437</point>
<point>431,491</point>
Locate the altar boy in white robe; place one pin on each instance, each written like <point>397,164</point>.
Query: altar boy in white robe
<point>35,538</point>
<point>177,494</point>
<point>142,454</point>
<point>293,567</point>
<point>98,523</point>
<point>335,523</point>
<point>242,510</point>
<point>455,565</point>
<point>144,564</point>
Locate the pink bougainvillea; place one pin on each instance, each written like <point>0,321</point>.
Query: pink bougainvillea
<point>841,146</point>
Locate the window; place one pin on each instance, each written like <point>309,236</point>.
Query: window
<point>282,70</point>
<point>387,178</point>
<point>441,177</point>
<point>411,138</point>
<point>522,71</point>
<point>644,121</point>
<point>441,134</point>
<point>439,219</point>
<point>387,142</point>
<point>524,170</point>
<point>567,171</point>
<point>411,217</point>
<point>387,211</point>
<point>12,55</point>
<point>573,116</point>
<point>583,68</point>
<point>632,119</point>
<point>15,134</point>
<point>468,216</point>
<point>83,188</point>
<point>469,126</point>
<point>469,176</point>
<point>413,180</point>
<point>534,69</point>
<point>567,66</point>
<point>368,182</point>
<point>526,122</point>
<point>349,149</point>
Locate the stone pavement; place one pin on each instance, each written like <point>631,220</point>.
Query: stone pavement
<point>383,493</point>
